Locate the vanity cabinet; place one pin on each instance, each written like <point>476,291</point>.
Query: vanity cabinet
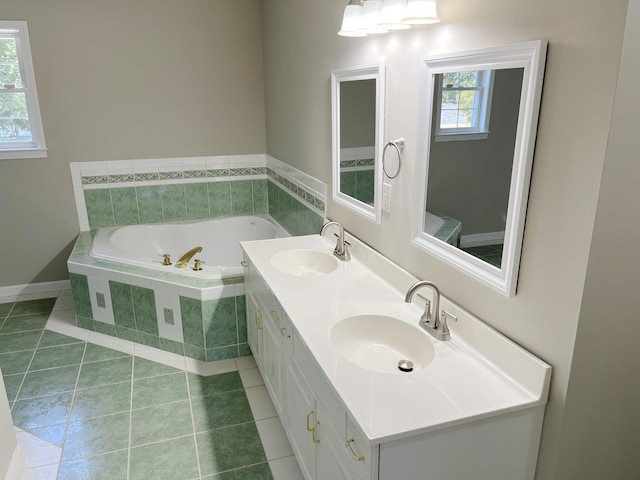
<point>496,438</point>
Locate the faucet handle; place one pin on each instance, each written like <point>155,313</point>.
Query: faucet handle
<point>166,259</point>
<point>444,316</point>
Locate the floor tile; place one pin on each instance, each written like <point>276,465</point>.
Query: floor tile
<point>37,452</point>
<point>169,460</point>
<point>42,411</point>
<point>200,386</point>
<point>229,448</point>
<point>143,368</point>
<point>5,308</point>
<point>158,390</point>
<point>12,385</point>
<point>286,469</point>
<point>15,362</point>
<point>261,404</point>
<point>53,434</point>
<point>47,472</point>
<point>220,410</point>
<point>100,401</point>
<point>44,305</point>
<point>25,323</point>
<point>96,436</point>
<point>53,339</point>
<point>274,438</point>
<point>161,422</point>
<point>260,471</point>
<point>110,466</point>
<point>60,356</point>
<point>47,382</point>
<point>251,377</point>
<point>96,353</point>
<point>105,372</point>
<point>15,342</point>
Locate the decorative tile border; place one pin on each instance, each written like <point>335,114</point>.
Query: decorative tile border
<point>301,186</point>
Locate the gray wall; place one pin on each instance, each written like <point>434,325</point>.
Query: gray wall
<point>547,313</point>
<point>124,80</point>
<point>469,180</point>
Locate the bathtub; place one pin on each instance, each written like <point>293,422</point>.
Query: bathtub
<point>145,245</point>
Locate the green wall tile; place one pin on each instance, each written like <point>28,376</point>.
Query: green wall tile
<point>126,333</point>
<point>149,204</point>
<point>260,196</point>
<point>81,297</point>
<point>171,346</point>
<point>99,209</point>
<point>220,324</point>
<point>144,306</point>
<point>125,206</point>
<point>105,328</point>
<point>219,199</point>
<point>122,304</point>
<point>148,339</point>
<point>198,353</point>
<point>197,200</point>
<point>86,323</point>
<point>244,350</point>
<point>241,316</point>
<point>192,331</point>
<point>222,353</point>
<point>173,202</point>
<point>241,197</point>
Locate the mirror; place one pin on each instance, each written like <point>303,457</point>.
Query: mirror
<point>357,96</point>
<point>476,134</point>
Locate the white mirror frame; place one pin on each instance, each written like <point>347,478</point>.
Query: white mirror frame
<point>365,72</point>
<point>530,56</point>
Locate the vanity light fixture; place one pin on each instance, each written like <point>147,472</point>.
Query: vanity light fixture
<point>367,17</point>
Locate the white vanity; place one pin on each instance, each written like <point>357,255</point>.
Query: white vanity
<point>472,407</point>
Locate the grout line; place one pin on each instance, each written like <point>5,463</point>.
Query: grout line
<point>133,372</point>
<point>193,423</point>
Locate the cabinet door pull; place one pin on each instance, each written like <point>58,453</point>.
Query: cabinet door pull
<point>244,263</point>
<point>274,315</point>
<point>258,317</point>
<point>356,457</point>
<point>283,332</point>
<point>313,433</point>
<point>310,427</point>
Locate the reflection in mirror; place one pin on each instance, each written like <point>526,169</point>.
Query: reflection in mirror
<point>478,124</point>
<point>357,104</point>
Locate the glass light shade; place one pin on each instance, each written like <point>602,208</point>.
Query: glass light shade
<point>421,12</point>
<point>371,17</point>
<point>351,21</point>
<point>393,13</point>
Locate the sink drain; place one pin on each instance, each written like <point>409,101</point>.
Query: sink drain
<point>405,366</point>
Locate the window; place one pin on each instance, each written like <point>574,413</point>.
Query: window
<point>21,133</point>
<point>463,101</point>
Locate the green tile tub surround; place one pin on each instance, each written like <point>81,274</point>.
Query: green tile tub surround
<point>175,202</point>
<point>290,212</point>
<point>144,307</point>
<point>81,296</point>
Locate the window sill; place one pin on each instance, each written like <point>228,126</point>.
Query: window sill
<point>460,137</point>
<point>20,153</point>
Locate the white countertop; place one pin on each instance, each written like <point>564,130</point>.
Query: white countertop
<point>458,386</point>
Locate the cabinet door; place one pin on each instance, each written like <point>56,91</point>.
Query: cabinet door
<point>254,327</point>
<point>272,362</point>
<point>328,466</point>
<point>300,424</point>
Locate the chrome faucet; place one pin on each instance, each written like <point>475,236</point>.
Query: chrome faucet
<point>342,247</point>
<point>431,321</point>
<point>184,259</point>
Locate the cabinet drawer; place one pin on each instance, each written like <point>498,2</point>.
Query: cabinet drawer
<point>360,459</point>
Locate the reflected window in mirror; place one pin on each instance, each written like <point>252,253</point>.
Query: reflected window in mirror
<point>473,194</point>
<point>463,105</point>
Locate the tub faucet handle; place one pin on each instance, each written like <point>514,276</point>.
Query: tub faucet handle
<point>167,259</point>
<point>197,264</point>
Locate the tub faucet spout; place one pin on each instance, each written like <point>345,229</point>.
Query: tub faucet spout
<point>342,247</point>
<point>184,259</point>
<point>430,320</point>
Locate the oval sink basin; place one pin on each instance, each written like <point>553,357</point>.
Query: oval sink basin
<point>379,343</point>
<point>304,262</point>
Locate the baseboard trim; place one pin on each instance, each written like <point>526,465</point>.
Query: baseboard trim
<point>31,288</point>
<point>16,464</point>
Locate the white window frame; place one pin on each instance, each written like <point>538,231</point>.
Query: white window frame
<point>37,147</point>
<point>479,129</point>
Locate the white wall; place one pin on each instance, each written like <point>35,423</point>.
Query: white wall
<point>585,38</point>
<point>125,80</point>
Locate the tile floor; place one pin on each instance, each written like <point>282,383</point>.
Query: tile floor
<point>86,411</point>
